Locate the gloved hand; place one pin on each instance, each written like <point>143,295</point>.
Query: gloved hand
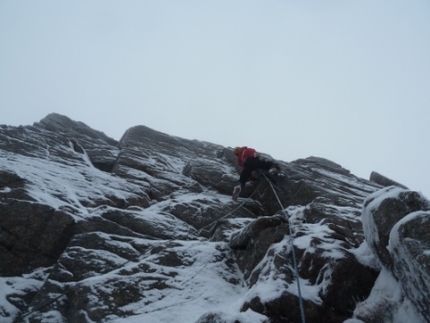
<point>236,192</point>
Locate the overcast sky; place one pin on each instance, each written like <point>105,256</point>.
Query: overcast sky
<point>345,80</point>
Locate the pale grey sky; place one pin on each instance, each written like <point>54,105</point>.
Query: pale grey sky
<point>345,80</point>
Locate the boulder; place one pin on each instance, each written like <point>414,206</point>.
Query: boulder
<point>396,225</point>
<point>384,181</point>
<point>31,236</point>
<point>382,210</point>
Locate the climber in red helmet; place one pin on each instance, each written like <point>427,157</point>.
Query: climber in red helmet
<point>249,160</point>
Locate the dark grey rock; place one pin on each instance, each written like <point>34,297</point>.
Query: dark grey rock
<point>384,181</point>
<point>147,217</point>
<point>31,236</point>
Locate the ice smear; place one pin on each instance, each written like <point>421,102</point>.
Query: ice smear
<point>68,185</point>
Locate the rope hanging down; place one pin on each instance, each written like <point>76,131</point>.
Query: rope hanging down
<point>69,287</point>
<point>296,270</point>
<point>231,212</point>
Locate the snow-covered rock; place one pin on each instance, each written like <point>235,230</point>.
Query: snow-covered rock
<point>396,225</point>
<point>145,230</point>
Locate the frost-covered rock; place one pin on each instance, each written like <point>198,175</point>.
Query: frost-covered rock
<point>382,210</point>
<point>397,229</point>
<point>410,249</point>
<point>145,230</point>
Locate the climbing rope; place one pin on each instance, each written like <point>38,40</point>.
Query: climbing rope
<point>231,212</point>
<point>296,270</point>
<point>40,306</point>
<point>74,285</point>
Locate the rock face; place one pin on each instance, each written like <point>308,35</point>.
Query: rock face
<point>145,230</point>
<point>397,228</point>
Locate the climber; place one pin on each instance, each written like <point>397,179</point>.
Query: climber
<point>250,160</point>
